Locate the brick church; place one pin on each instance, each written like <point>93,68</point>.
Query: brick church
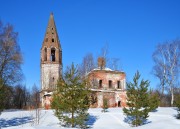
<point>106,83</point>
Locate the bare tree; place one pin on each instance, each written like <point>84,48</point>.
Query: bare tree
<point>10,55</point>
<point>20,96</point>
<point>160,68</point>
<point>104,53</point>
<point>10,60</point>
<point>87,64</point>
<point>35,98</point>
<point>167,65</point>
<point>114,63</point>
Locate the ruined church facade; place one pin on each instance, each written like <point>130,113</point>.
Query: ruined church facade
<point>51,62</point>
<point>107,84</point>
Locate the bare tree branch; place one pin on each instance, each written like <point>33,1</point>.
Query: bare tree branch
<point>167,65</point>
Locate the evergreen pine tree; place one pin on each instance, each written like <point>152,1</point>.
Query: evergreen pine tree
<point>137,101</point>
<point>71,100</point>
<point>177,104</point>
<point>2,95</point>
<point>153,101</point>
<point>105,105</point>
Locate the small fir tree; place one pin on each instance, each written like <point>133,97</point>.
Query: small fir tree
<point>2,95</point>
<point>137,101</point>
<point>177,104</point>
<point>105,105</point>
<point>71,101</point>
<point>153,101</point>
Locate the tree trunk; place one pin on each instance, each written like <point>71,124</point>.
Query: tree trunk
<point>172,97</point>
<point>72,119</point>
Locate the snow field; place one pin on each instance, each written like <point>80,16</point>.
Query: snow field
<point>113,119</point>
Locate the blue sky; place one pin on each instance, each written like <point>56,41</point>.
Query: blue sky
<point>132,29</point>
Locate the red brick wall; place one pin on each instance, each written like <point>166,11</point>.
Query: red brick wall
<point>112,94</point>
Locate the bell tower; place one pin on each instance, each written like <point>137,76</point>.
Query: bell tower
<point>51,61</point>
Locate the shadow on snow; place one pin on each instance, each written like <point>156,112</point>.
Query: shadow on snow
<point>14,121</point>
<point>177,116</point>
<point>91,120</point>
<point>129,119</point>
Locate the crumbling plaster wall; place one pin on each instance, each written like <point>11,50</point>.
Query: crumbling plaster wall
<point>114,95</point>
<point>105,77</point>
<point>50,73</point>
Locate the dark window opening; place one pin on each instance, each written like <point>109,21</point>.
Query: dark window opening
<point>46,39</point>
<point>100,83</point>
<point>45,54</point>
<point>47,95</point>
<point>52,33</point>
<point>52,40</point>
<point>119,103</point>
<point>118,84</point>
<point>110,84</point>
<point>53,54</point>
<point>52,28</point>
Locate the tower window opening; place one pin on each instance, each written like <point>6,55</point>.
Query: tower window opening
<point>52,40</point>
<point>52,28</point>
<point>53,54</point>
<point>46,39</point>
<point>45,54</point>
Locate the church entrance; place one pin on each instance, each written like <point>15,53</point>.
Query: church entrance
<point>119,103</point>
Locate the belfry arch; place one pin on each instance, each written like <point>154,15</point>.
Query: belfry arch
<point>53,54</point>
<point>45,54</point>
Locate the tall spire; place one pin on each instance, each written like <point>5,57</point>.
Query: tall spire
<point>51,22</point>
<point>51,37</point>
<point>51,49</point>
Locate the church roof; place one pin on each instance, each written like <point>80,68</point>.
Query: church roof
<point>51,38</point>
<point>105,70</point>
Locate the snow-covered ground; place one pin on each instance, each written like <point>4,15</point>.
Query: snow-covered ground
<point>164,118</point>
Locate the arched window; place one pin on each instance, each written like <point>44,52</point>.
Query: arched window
<point>53,51</point>
<point>52,40</point>
<point>45,54</point>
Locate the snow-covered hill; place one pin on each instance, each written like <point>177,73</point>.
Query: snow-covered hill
<point>114,119</point>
